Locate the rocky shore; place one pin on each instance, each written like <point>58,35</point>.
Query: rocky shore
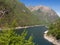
<point>51,39</point>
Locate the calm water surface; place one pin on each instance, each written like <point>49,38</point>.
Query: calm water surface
<point>38,35</point>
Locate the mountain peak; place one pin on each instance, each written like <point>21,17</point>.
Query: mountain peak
<point>33,8</point>
<point>44,13</point>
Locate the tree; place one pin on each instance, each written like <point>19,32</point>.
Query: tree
<point>54,29</point>
<point>9,37</point>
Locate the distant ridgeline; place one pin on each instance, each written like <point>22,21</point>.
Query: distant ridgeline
<point>45,14</point>
<point>14,13</point>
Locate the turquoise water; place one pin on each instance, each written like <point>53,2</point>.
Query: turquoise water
<point>37,33</point>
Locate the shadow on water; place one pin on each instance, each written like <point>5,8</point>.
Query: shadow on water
<point>37,33</point>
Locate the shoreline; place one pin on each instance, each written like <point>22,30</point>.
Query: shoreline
<point>51,39</point>
<point>26,27</point>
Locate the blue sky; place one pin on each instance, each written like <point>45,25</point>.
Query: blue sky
<point>54,4</point>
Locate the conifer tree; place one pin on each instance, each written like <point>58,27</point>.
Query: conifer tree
<point>9,37</point>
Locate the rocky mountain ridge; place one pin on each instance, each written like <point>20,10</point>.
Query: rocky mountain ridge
<point>44,13</point>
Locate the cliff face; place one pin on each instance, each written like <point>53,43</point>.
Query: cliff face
<point>45,14</point>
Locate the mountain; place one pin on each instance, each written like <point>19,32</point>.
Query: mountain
<point>16,13</point>
<point>45,14</point>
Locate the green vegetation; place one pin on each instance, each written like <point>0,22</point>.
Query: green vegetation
<point>15,11</point>
<point>46,16</point>
<point>13,14</point>
<point>54,29</point>
<point>9,37</point>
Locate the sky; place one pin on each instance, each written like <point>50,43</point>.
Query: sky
<point>54,4</point>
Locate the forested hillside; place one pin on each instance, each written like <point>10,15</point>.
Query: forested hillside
<point>54,29</point>
<point>14,12</point>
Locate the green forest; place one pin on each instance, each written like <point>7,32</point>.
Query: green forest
<point>54,29</point>
<point>15,11</point>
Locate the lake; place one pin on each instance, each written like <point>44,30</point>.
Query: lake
<point>37,33</point>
